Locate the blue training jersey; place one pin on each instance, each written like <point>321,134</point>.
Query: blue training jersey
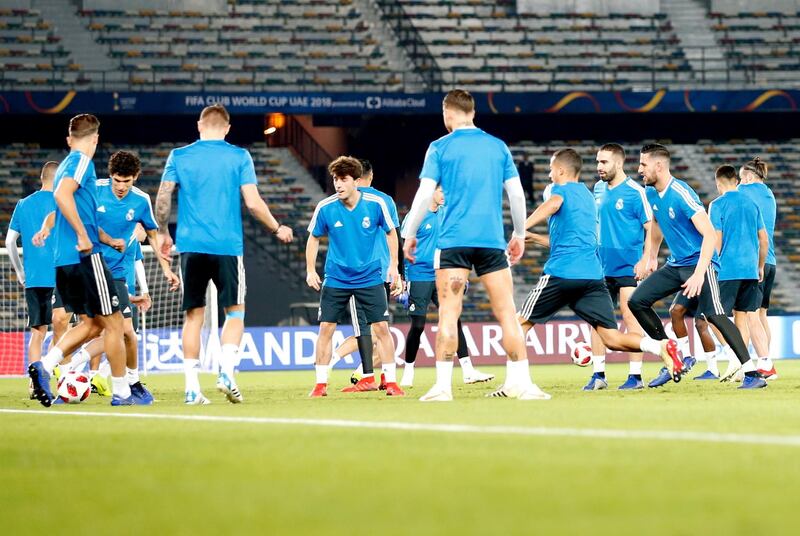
<point>622,211</point>
<point>209,175</point>
<point>427,238</point>
<point>573,236</point>
<point>381,246</point>
<point>762,196</point>
<point>118,218</point>
<point>739,220</point>
<point>79,168</point>
<point>673,210</point>
<point>27,219</point>
<point>472,167</point>
<point>352,234</point>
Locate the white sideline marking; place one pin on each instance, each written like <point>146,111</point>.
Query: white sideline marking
<point>594,433</point>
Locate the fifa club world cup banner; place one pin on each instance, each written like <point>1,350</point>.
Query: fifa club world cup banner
<point>292,348</point>
<point>176,102</point>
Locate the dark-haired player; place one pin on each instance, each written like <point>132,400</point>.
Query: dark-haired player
<point>691,268</point>
<point>354,221</point>
<point>752,175</point>
<point>211,176</point>
<point>624,219</point>
<point>36,273</point>
<point>573,275</point>
<point>82,276</point>
<point>742,244</point>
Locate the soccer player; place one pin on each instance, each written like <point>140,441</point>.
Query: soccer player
<point>210,175</point>
<point>625,218</point>
<point>473,168</point>
<point>82,276</point>
<point>681,220</point>
<point>422,291</point>
<point>354,221</point>
<point>121,206</point>
<point>752,175</point>
<point>573,274</point>
<point>364,375</point>
<point>681,308</point>
<point>742,243</point>
<point>37,273</point>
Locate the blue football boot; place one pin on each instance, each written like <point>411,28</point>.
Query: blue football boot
<point>753,381</point>
<point>140,391</point>
<point>707,375</point>
<point>663,377</point>
<point>688,363</point>
<point>40,379</point>
<point>596,382</point>
<point>633,382</point>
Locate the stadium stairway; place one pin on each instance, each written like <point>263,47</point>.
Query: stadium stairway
<point>74,36</point>
<point>693,28</point>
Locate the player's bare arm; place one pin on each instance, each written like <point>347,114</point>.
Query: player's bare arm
<point>394,272</point>
<point>65,199</point>
<point>107,239</point>
<point>260,211</point>
<point>644,267</point>
<point>47,225</point>
<point>163,210</point>
<point>312,277</point>
<point>544,211</point>
<point>172,277</point>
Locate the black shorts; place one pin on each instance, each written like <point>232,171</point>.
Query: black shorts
<point>355,316</point>
<point>588,298</point>
<point>58,303</point>
<point>40,306</point>
<point>614,283</point>
<point>484,260</point>
<point>740,295</point>
<point>125,306</point>
<point>334,303</point>
<point>766,285</point>
<point>226,271</point>
<point>690,304</point>
<point>668,279</point>
<point>420,294</point>
<point>87,288</point>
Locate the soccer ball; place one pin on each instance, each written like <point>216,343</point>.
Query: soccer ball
<point>74,387</point>
<point>581,354</point>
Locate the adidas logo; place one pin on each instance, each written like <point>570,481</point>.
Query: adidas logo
<point>338,224</point>
<point>428,226</point>
<point>101,208</point>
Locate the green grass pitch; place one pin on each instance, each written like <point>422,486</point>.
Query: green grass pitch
<point>62,474</point>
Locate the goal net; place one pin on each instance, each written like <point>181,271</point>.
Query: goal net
<point>159,335</point>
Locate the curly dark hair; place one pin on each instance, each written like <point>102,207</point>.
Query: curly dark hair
<point>124,164</point>
<point>346,165</point>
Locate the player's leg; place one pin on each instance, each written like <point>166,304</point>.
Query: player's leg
<point>592,303</point>
<point>375,306</point>
<point>708,348</point>
<point>598,381</point>
<point>716,301</point>
<point>196,275</point>
<point>61,318</point>
<point>228,274</point>
<point>420,294</point>
<point>333,302</point>
<point>39,316</point>
<point>747,304</point>
<point>663,282</point>
<point>634,380</point>
<point>542,302</point>
<point>765,287</point>
<point>450,289</point>
<point>470,374</point>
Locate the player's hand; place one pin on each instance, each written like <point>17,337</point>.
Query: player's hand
<point>397,284</point>
<point>118,244</point>
<point>313,280</point>
<point>515,250</point>
<point>410,249</point>
<point>166,246</point>
<point>761,274</point>
<point>285,234</point>
<point>642,269</point>
<point>40,237</point>
<point>143,302</point>
<point>693,285</point>
<point>84,245</point>
<point>173,279</point>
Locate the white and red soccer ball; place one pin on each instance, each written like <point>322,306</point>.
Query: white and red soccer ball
<point>74,387</point>
<point>581,354</point>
